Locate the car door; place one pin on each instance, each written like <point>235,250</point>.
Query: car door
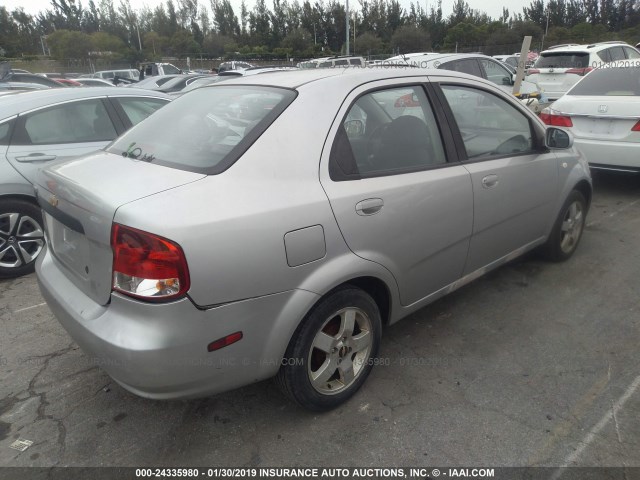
<point>397,192</point>
<point>514,176</point>
<point>58,133</point>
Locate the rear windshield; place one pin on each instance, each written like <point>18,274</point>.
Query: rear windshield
<point>563,60</point>
<point>620,82</point>
<point>207,130</point>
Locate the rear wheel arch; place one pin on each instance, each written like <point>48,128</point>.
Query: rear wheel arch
<point>585,189</point>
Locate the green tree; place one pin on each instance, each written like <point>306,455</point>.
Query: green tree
<point>409,39</point>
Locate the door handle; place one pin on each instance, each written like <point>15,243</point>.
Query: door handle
<point>490,181</point>
<point>370,206</point>
<point>36,157</point>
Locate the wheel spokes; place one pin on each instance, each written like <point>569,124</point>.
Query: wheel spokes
<point>324,342</point>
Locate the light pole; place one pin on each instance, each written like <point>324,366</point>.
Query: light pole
<point>347,22</point>
<point>545,31</point>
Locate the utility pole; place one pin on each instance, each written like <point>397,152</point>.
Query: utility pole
<point>347,22</point>
<point>139,42</point>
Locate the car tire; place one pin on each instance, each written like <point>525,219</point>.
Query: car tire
<point>21,237</point>
<point>333,350</point>
<point>567,231</point>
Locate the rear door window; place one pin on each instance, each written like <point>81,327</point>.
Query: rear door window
<point>73,122</point>
<point>617,53</point>
<point>631,52</point>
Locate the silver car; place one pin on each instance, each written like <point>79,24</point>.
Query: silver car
<point>43,127</point>
<point>269,226</point>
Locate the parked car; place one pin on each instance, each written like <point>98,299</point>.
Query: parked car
<point>480,66</point>
<point>153,82</point>
<point>561,67</point>
<point>252,228</point>
<point>40,128</point>
<point>130,74</point>
<point>152,69</point>
<point>179,82</point>
<point>341,61</point>
<point>67,82</point>
<point>602,111</point>
<point>32,78</point>
<point>94,82</point>
<point>233,65</point>
<point>21,86</point>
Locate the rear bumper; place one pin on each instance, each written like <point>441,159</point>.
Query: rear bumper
<point>159,351</point>
<point>601,154</point>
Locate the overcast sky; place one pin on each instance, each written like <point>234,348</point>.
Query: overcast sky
<point>492,7</point>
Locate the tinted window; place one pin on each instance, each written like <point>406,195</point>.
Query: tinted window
<point>355,61</point>
<point>617,53</point>
<point>206,130</point>
<point>169,69</point>
<point>631,52</point>
<point>341,63</point>
<point>137,109</point>
<point>563,60</point>
<point>513,61</point>
<point>489,125</point>
<point>495,72</point>
<point>385,132</point>
<point>469,65</point>
<point>5,132</point>
<point>609,81</point>
<point>604,55</point>
<point>76,122</point>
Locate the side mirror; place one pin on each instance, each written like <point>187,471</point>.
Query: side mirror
<point>507,81</point>
<point>556,138</point>
<point>354,128</point>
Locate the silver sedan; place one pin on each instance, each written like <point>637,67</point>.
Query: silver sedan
<point>269,226</point>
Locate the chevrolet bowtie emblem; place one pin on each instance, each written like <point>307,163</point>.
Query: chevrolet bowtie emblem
<point>53,201</point>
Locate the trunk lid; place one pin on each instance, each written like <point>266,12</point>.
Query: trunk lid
<point>601,118</point>
<point>80,198</point>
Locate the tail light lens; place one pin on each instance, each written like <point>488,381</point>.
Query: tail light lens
<point>579,71</point>
<point>532,71</point>
<point>147,266</point>
<point>636,127</point>
<point>549,117</point>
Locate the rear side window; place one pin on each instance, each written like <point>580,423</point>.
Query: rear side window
<point>469,66</point>
<point>563,60</point>
<point>609,81</point>
<point>74,122</point>
<point>137,109</point>
<point>617,53</point>
<point>387,132</point>
<point>5,132</point>
<point>207,130</point>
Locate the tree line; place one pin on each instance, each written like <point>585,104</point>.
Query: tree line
<point>101,29</point>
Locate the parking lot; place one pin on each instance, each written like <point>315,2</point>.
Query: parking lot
<point>534,364</point>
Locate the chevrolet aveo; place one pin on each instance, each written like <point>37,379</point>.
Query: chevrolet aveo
<point>270,226</point>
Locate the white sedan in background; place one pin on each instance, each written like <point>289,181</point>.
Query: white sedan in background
<point>603,113</point>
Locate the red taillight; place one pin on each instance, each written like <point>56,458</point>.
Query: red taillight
<point>636,127</point>
<point>224,341</point>
<point>147,266</point>
<point>532,71</point>
<point>550,118</point>
<point>579,71</point>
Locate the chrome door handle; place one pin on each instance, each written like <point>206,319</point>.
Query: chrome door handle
<point>36,157</point>
<point>490,181</point>
<point>370,206</point>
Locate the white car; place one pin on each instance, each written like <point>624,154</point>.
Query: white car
<point>561,67</point>
<point>480,66</point>
<point>603,113</point>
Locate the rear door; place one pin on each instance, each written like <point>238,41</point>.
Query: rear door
<point>398,194</point>
<point>58,133</point>
<point>514,180</point>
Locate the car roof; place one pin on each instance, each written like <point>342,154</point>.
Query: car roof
<point>587,47</point>
<point>11,105</point>
<point>349,77</point>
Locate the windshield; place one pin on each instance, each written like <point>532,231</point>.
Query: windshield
<point>563,60</point>
<point>620,82</point>
<point>207,130</point>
